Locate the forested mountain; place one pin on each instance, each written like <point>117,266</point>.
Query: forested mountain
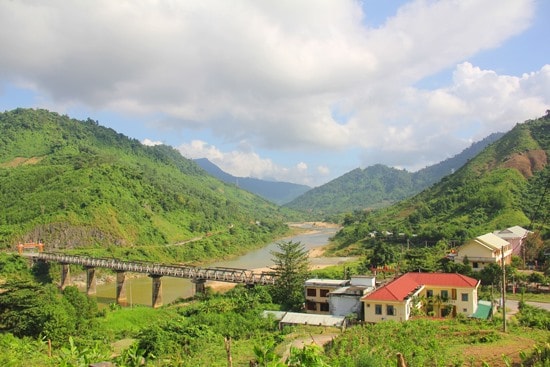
<point>277,192</point>
<point>379,186</point>
<point>507,184</point>
<point>75,183</point>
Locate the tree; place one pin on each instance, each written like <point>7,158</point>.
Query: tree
<point>382,254</point>
<point>291,270</point>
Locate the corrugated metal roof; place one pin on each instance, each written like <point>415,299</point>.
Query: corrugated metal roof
<point>483,310</point>
<point>492,240</point>
<point>512,232</point>
<point>326,282</point>
<point>313,319</point>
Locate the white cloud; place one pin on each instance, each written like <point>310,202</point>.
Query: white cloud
<point>150,142</point>
<point>324,170</point>
<point>245,163</point>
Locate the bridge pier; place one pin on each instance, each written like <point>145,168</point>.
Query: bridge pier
<point>121,288</point>
<point>156,291</point>
<point>199,285</point>
<point>91,282</point>
<point>65,276</point>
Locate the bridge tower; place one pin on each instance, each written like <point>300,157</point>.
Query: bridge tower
<point>199,285</point>
<point>91,282</point>
<point>65,275</point>
<point>121,288</point>
<point>156,290</point>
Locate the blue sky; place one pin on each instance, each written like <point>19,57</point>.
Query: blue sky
<point>299,91</point>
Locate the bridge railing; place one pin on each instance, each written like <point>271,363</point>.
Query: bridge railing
<point>231,275</point>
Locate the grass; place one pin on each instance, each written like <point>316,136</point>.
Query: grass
<point>127,322</point>
<point>530,297</point>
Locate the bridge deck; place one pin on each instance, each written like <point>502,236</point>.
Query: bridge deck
<point>230,275</point>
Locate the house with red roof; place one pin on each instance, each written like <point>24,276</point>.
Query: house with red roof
<point>440,294</point>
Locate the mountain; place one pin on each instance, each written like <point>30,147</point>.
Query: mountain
<point>379,185</point>
<point>75,184</point>
<point>276,192</point>
<point>506,184</point>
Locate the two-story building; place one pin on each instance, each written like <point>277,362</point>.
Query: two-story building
<point>317,294</point>
<point>345,301</point>
<point>516,236</point>
<point>483,250</point>
<point>440,294</point>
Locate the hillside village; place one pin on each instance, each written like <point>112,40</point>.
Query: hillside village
<point>465,231</point>
<point>434,294</point>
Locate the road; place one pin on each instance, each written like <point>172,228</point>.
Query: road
<point>512,306</point>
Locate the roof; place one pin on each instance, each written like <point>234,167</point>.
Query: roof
<point>483,311</point>
<point>491,241</point>
<point>512,232</point>
<point>410,283</point>
<point>351,290</point>
<point>313,319</point>
<point>326,282</point>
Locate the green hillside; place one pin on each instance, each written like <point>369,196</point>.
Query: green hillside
<point>75,184</point>
<point>380,186</point>
<point>507,184</point>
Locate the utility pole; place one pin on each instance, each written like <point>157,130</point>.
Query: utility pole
<point>504,328</point>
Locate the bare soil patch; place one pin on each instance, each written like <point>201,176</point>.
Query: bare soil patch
<point>528,162</point>
<point>497,354</point>
<point>19,161</point>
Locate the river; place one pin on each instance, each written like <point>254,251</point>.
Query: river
<point>138,289</point>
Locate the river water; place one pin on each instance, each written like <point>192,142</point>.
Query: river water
<point>138,289</point>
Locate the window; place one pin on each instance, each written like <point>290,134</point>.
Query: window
<point>311,306</point>
<point>378,309</point>
<point>453,294</point>
<point>324,307</point>
<point>475,265</point>
<point>445,295</point>
<point>464,297</point>
<point>324,293</point>
<point>311,292</point>
<point>390,310</point>
<point>429,293</point>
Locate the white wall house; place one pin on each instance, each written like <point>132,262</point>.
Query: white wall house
<point>346,300</point>
<point>516,236</point>
<point>441,294</point>
<point>483,250</point>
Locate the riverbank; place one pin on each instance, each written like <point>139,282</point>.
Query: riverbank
<point>314,236</point>
<point>317,261</point>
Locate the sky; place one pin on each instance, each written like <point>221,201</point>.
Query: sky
<point>299,91</point>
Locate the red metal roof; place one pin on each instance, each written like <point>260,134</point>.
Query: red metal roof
<point>401,287</point>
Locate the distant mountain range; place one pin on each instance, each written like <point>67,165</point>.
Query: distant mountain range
<point>379,185</point>
<point>505,185</point>
<point>277,192</point>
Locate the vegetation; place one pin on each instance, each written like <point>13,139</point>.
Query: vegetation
<point>291,266</point>
<point>503,186</point>
<point>86,189</point>
<point>207,330</point>
<point>379,186</point>
<point>75,184</point>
